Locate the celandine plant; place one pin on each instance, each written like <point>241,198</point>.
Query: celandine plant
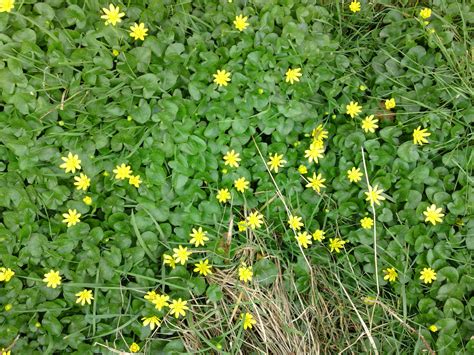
<point>173,173</point>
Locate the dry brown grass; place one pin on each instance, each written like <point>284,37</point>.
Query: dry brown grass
<point>288,322</point>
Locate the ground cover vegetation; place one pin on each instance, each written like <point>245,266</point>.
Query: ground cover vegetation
<point>268,176</point>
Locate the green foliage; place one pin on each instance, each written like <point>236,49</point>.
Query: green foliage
<point>155,107</point>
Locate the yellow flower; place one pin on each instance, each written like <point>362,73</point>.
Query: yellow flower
<point>134,348</point>
<point>314,152</point>
<point>374,195</point>
<point>150,295</point>
<point>335,244</point>
<point>87,200</point>
<point>254,220</point>
<point>354,175</point>
<point>295,222</point>
<point>160,301</point>
<point>319,133</point>
<point>276,162</point>
<point>241,23</point>
<point>71,218</point>
<point>8,307</point>
<point>198,237</point>
<point>362,87</point>
<point>122,172</point>
<point>245,273</point>
<point>7,6</point>
<point>135,180</point>
<point>82,182</point>
<point>428,275</point>
<point>419,135</point>
<point>152,321</point>
<point>71,163</point>
<point>248,319</point>
<point>5,352</point>
<point>293,75</point>
<point>304,239</point>
<point>242,226</point>
<point>112,15</point>
<point>389,104</point>
<point>181,254</point>
<point>353,109</point>
<point>366,222</point>
<point>433,328</point>
<point>6,274</point>
<point>139,31</point>
<point>115,52</point>
<point>223,195</point>
<point>319,235</point>
<point>222,78</point>
<point>425,13</point>
<point>52,278</point>
<point>203,267</point>
<point>232,159</point>
<point>302,169</point>
<point>316,182</point>
<point>83,297</point>
<point>390,274</point>
<point>433,214</point>
<point>369,124</point>
<point>178,307</point>
<point>241,184</point>
<point>169,260</point>
<point>354,6</point>
<point>317,144</point>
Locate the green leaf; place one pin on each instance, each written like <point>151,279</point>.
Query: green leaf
<point>167,79</point>
<point>386,215</point>
<point>140,239</point>
<point>448,273</point>
<point>142,113</point>
<point>450,290</point>
<point>194,91</point>
<point>390,134</point>
<point>197,285</point>
<point>354,140</point>
<point>52,325</point>
<point>214,293</point>
<point>453,307</point>
<point>174,50</point>
<point>419,174</point>
<point>147,82</point>
<point>426,304</point>
<point>423,242</point>
<point>174,347</point>
<point>408,152</point>
<point>44,10</point>
<point>265,272</point>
